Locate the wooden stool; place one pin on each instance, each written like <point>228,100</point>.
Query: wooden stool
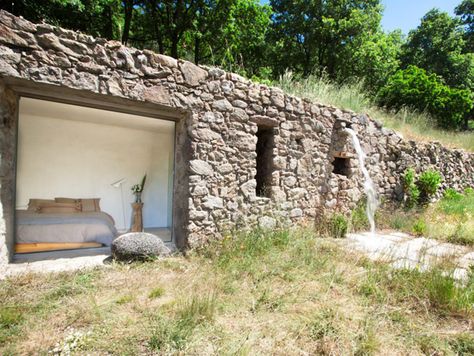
<point>137,217</point>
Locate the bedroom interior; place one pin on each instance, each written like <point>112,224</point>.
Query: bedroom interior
<point>75,170</point>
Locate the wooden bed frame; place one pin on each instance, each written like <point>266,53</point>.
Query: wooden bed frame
<point>53,246</point>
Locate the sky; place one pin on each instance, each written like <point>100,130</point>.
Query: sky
<point>406,14</point>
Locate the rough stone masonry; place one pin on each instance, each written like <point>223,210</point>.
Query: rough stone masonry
<point>307,164</point>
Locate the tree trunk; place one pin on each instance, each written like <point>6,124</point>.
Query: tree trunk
<point>108,29</point>
<point>128,11</point>
<point>197,49</point>
<point>174,45</point>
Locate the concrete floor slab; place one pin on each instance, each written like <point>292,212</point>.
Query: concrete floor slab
<point>61,261</point>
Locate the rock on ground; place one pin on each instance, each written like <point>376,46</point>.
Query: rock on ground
<point>138,246</point>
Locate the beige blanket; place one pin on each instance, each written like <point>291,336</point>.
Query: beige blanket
<point>32,227</point>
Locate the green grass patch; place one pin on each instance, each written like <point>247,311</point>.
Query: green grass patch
<point>436,287</point>
<point>71,285</point>
<point>240,253</point>
<point>174,333</point>
<point>10,318</point>
<point>156,292</point>
<point>367,341</point>
<point>454,203</point>
<point>323,324</point>
<point>124,299</point>
<point>462,344</point>
<point>450,219</point>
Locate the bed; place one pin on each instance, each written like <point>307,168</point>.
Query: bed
<point>52,226</point>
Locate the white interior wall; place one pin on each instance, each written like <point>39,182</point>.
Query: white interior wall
<point>78,152</point>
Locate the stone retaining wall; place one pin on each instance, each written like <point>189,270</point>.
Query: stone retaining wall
<point>216,147</point>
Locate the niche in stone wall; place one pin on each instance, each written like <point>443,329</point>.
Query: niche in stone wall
<point>265,143</point>
<point>341,166</point>
<point>341,149</point>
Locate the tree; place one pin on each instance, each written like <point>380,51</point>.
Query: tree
<point>228,40</point>
<point>437,46</point>
<point>375,59</point>
<point>206,31</point>
<point>164,25</point>
<point>415,88</point>
<point>96,17</point>
<point>465,11</point>
<point>127,16</point>
<point>318,36</point>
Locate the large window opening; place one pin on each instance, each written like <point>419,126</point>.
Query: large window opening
<point>265,141</point>
<point>76,167</point>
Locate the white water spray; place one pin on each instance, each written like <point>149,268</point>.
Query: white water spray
<point>372,201</point>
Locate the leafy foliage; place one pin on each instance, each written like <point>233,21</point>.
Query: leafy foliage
<point>420,190</point>
<point>428,183</point>
<point>338,226</point>
<point>96,17</point>
<point>321,36</point>
<point>465,10</point>
<point>359,220</point>
<point>412,193</point>
<point>419,227</point>
<point>417,89</point>
<point>434,45</point>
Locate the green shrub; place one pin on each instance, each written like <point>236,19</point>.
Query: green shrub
<point>409,177</point>
<point>359,220</point>
<point>410,189</point>
<point>415,88</point>
<point>422,189</point>
<point>338,226</point>
<point>419,228</point>
<point>428,183</point>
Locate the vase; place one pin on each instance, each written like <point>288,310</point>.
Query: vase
<point>138,197</point>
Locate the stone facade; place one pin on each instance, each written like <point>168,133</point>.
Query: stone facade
<point>215,163</point>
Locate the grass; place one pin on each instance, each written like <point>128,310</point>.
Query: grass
<point>172,334</point>
<point>412,125</point>
<point>156,293</point>
<point>451,219</point>
<point>278,292</point>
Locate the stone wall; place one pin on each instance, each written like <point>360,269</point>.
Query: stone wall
<point>8,128</point>
<point>216,145</point>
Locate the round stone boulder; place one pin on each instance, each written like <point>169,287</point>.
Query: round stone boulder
<point>138,246</point>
